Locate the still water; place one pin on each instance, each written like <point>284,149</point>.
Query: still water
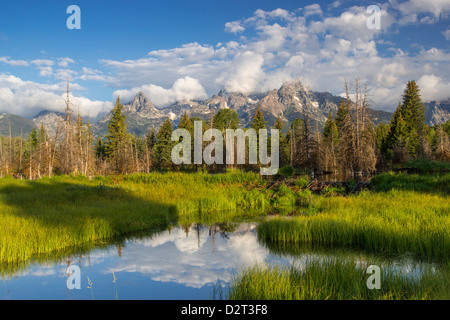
<point>182,263</point>
<point>177,264</point>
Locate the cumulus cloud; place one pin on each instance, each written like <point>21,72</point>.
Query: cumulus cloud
<point>446,34</point>
<point>412,8</point>
<point>433,87</point>
<point>246,72</point>
<point>321,49</point>
<point>185,88</point>
<point>313,9</point>
<point>192,259</point>
<point>64,62</point>
<point>14,63</point>
<point>27,98</point>
<point>234,27</point>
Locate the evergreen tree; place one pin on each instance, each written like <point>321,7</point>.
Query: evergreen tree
<point>162,150</point>
<point>342,115</point>
<point>330,132</point>
<point>150,138</point>
<point>185,123</point>
<point>408,123</point>
<point>100,151</point>
<point>226,119</point>
<point>413,111</point>
<point>116,138</point>
<point>258,121</point>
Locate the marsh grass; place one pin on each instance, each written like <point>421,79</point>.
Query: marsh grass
<point>336,278</point>
<point>48,215</point>
<point>386,220</point>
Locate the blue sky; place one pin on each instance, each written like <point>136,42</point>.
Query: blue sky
<point>174,50</point>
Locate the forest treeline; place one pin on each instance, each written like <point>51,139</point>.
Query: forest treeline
<point>348,144</point>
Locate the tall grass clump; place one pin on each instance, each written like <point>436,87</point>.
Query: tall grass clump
<point>426,166</point>
<point>393,222</point>
<point>415,182</point>
<point>334,278</point>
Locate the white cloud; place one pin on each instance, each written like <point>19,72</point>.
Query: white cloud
<point>14,63</point>
<point>246,72</point>
<point>185,88</point>
<point>313,9</point>
<point>234,27</point>
<point>193,259</point>
<point>436,7</point>
<point>27,98</point>
<point>284,45</point>
<point>433,87</point>
<point>446,34</point>
<point>64,62</point>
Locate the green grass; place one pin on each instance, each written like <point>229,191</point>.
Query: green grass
<point>438,184</point>
<point>336,278</point>
<point>391,221</point>
<point>401,214</point>
<point>428,166</point>
<point>48,215</point>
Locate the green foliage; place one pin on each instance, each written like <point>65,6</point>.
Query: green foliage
<point>162,150</point>
<point>330,132</point>
<point>117,132</point>
<point>286,171</point>
<point>226,119</point>
<point>419,183</point>
<point>332,191</point>
<point>383,222</point>
<point>285,200</point>
<point>302,182</point>
<point>258,121</point>
<point>407,125</point>
<point>427,166</point>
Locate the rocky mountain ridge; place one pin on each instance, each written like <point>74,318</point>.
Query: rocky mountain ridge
<point>290,101</point>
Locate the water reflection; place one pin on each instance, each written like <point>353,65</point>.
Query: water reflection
<point>180,263</point>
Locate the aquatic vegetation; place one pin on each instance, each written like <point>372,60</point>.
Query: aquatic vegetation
<point>47,215</point>
<point>390,222</point>
<point>336,278</point>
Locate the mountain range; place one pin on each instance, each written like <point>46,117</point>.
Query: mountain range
<point>290,101</point>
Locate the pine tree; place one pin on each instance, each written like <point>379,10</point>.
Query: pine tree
<point>226,119</point>
<point>342,115</point>
<point>162,150</point>
<point>258,122</point>
<point>412,129</point>
<point>413,111</point>
<point>116,139</point>
<point>185,123</point>
<point>330,132</point>
<point>100,151</point>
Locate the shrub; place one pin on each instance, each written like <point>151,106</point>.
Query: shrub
<point>286,171</point>
<point>301,182</point>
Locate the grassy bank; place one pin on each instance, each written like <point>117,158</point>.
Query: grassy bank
<point>48,215</point>
<point>390,221</point>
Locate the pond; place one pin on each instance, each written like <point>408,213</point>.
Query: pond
<point>182,263</point>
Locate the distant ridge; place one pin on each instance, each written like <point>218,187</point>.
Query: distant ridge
<point>290,101</point>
